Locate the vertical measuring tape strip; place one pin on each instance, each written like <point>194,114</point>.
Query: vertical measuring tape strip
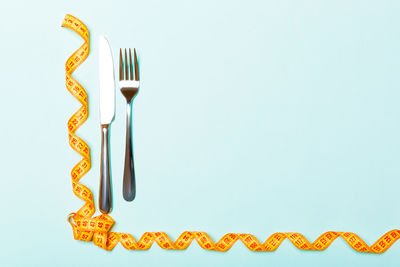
<point>84,227</point>
<point>97,229</point>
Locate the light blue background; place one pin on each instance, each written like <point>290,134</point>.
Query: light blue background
<point>253,116</point>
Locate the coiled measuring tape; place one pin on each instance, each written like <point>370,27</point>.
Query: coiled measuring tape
<point>97,229</point>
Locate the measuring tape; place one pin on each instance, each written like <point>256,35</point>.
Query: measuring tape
<point>97,229</point>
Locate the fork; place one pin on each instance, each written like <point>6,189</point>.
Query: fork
<point>129,86</point>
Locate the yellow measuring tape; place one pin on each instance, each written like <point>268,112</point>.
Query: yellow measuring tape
<point>97,229</point>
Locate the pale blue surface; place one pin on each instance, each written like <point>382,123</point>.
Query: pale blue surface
<point>253,116</point>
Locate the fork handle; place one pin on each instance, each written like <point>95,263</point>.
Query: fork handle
<point>105,177</point>
<point>129,188</point>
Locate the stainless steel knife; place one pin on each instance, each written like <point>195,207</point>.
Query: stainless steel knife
<point>107,112</point>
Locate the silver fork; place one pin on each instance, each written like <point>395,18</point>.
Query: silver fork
<point>129,88</point>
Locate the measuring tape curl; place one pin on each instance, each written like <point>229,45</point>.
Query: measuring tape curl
<point>97,229</point>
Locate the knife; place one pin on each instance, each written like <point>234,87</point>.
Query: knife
<point>107,111</point>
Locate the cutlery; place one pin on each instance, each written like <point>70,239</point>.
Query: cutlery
<point>107,111</point>
<point>129,85</point>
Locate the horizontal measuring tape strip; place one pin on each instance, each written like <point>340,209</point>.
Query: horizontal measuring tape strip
<point>85,227</point>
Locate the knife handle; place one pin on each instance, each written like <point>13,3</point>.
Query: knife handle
<point>105,200</point>
<point>129,188</point>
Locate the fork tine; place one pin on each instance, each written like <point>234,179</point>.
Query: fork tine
<point>126,66</point>
<point>121,66</point>
<point>130,65</point>
<point>136,66</point>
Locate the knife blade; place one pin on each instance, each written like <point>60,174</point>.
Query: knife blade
<point>107,112</point>
<point>107,88</point>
